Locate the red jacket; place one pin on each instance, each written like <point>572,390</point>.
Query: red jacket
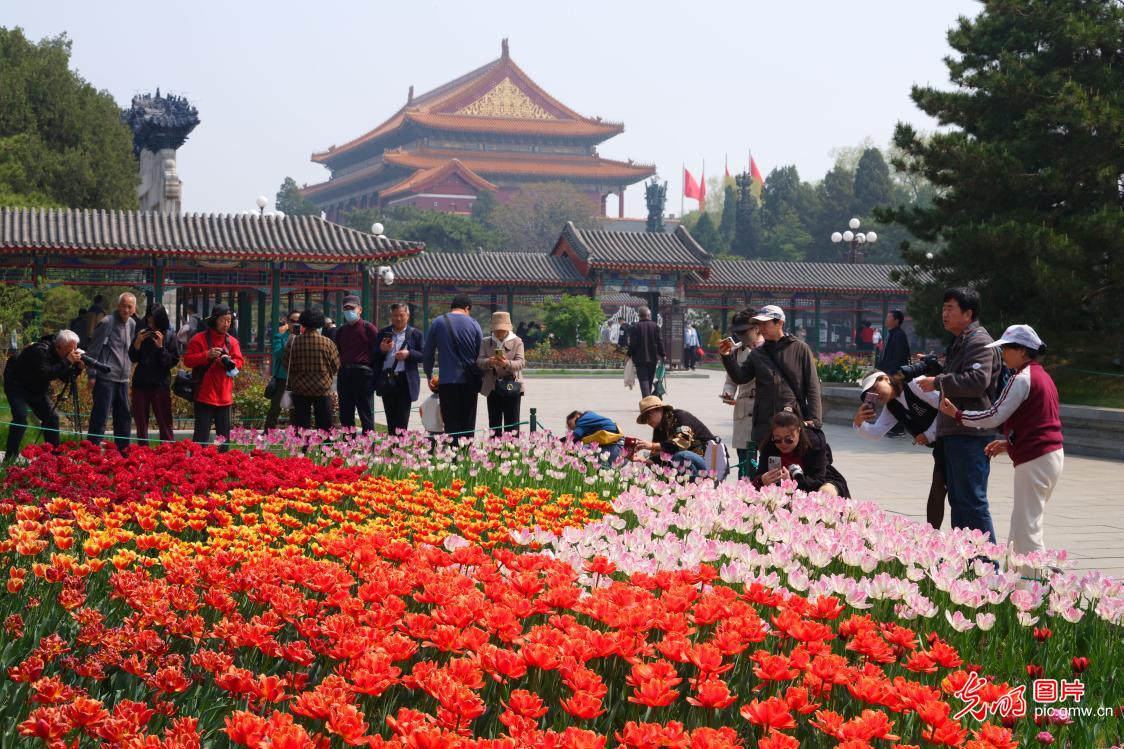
<point>217,387</point>
<point>1029,412</point>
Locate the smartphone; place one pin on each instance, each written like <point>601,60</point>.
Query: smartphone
<point>872,400</point>
<point>774,462</point>
<point>731,340</point>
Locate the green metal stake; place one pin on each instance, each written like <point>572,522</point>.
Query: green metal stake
<point>534,420</point>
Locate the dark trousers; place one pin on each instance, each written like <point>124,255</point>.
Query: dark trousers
<point>305,405</point>
<point>934,508</point>
<point>160,401</point>
<point>690,357</point>
<point>110,396</point>
<point>397,405</point>
<point>205,415</point>
<point>503,413</point>
<point>458,408</point>
<point>356,386</point>
<point>645,373</point>
<point>19,401</point>
<point>966,472</point>
<point>274,412</point>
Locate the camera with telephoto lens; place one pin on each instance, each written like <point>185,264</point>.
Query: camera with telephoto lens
<point>92,363</point>
<point>227,363</point>
<point>929,366</point>
<point>795,471</point>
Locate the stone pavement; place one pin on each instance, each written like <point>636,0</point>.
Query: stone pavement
<point>1085,515</point>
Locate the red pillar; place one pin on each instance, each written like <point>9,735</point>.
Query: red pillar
<point>620,203</point>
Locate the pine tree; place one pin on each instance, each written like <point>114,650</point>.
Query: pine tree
<point>706,234</point>
<point>747,228</point>
<point>1031,205</point>
<point>872,183</point>
<point>292,203</point>
<point>729,217</point>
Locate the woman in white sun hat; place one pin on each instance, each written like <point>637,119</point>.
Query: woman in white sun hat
<point>1029,412</point>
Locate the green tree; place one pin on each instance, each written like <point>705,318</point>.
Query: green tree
<point>789,208</point>
<point>441,232</point>
<point>572,319</point>
<point>1030,204</point>
<point>534,217</point>
<point>62,141</point>
<point>836,195</point>
<point>484,207</point>
<point>706,234</point>
<point>747,229</point>
<point>292,203</point>
<point>729,217</point>
<point>873,187</point>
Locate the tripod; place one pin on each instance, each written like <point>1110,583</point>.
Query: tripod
<point>70,391</point>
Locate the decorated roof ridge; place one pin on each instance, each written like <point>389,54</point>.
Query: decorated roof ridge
<point>423,178</point>
<point>461,87</point>
<point>478,123</point>
<point>401,155</point>
<point>247,236</point>
<point>609,248</point>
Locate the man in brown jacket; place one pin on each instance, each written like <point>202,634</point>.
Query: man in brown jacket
<point>313,364</point>
<point>969,378</point>
<point>784,368</point>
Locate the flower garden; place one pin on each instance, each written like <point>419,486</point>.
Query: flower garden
<point>388,592</point>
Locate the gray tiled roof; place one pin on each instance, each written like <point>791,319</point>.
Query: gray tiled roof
<point>797,276</point>
<point>600,247</point>
<point>191,234</point>
<point>490,267</point>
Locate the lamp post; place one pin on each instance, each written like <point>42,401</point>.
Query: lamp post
<point>855,239</point>
<point>382,274</point>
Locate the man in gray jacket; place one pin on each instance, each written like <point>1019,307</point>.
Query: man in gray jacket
<point>110,345</point>
<point>784,368</point>
<point>970,378</point>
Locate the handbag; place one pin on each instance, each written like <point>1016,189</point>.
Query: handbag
<point>271,388</point>
<point>183,385</point>
<point>508,387</point>
<point>287,396</point>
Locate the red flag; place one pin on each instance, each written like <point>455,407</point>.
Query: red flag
<point>727,169</point>
<point>702,188</point>
<point>754,172</point>
<point>690,186</point>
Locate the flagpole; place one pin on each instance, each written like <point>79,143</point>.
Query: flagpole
<point>683,185</point>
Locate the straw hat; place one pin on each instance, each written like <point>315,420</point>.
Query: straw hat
<point>647,404</point>
<point>501,321</point>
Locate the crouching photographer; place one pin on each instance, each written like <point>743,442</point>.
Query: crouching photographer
<point>798,452</point>
<point>905,404</point>
<point>27,380</point>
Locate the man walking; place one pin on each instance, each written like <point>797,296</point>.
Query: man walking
<point>645,348</point>
<point>109,345</point>
<point>358,341</point>
<point>895,347</point>
<point>455,339</point>
<point>690,347</point>
<point>784,368</point>
<point>401,347</point>
<point>970,379</point>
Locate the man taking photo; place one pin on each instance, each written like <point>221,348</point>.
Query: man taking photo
<point>27,379</point>
<point>109,345</point>
<point>970,379</point>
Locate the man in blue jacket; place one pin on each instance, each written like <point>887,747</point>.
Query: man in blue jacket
<point>454,340</point>
<point>398,381</point>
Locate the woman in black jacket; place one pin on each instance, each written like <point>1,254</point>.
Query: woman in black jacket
<point>156,352</point>
<point>800,453</point>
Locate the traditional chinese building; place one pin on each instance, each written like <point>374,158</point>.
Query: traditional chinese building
<point>493,129</point>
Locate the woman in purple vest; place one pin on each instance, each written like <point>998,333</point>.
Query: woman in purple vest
<point>1028,410</point>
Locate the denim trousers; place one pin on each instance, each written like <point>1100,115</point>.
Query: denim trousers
<point>966,473</point>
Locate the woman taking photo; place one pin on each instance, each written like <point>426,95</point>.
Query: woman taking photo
<point>1028,409</point>
<point>215,358</point>
<point>913,409</point>
<point>801,454</point>
<point>312,361</point>
<point>156,352</point>
<point>501,361</point>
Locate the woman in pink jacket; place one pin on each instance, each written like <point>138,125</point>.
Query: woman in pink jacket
<point>1028,410</point>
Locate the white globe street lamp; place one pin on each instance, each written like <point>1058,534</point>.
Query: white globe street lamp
<point>854,238</point>
<point>853,223</point>
<point>377,229</point>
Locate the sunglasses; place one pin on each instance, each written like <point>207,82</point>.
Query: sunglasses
<point>294,322</point>
<point>784,440</point>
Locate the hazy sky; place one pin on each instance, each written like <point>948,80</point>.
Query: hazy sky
<point>690,80</point>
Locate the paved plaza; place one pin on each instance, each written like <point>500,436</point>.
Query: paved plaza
<point>1084,517</point>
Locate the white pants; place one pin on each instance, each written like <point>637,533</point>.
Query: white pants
<point>1034,483</point>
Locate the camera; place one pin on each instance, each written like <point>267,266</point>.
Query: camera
<point>795,471</point>
<point>92,363</point>
<point>929,366</point>
<point>227,363</point>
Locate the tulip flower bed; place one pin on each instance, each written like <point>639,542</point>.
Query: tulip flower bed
<point>253,600</point>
